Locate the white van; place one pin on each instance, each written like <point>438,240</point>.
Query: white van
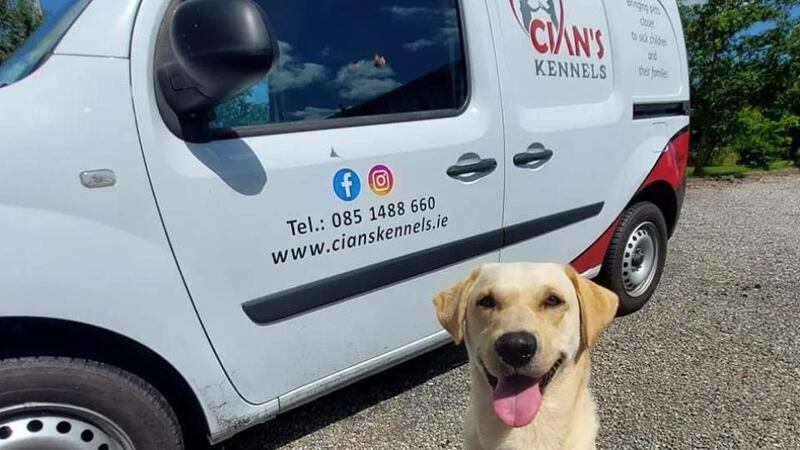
<point>213,211</point>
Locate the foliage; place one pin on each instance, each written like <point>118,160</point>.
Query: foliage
<point>18,19</point>
<point>744,57</point>
<point>760,140</point>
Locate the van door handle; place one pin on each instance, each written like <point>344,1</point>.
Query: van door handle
<point>471,167</point>
<point>534,157</point>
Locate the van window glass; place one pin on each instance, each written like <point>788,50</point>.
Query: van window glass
<point>355,58</point>
<point>55,17</point>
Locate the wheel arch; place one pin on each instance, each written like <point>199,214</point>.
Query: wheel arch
<point>63,338</point>
<point>664,197</point>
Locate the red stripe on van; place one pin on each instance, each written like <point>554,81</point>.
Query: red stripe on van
<point>593,256</point>
<point>671,166</point>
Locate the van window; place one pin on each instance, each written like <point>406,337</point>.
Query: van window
<point>35,50</point>
<point>355,58</point>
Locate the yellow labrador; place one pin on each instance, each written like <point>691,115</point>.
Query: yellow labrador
<point>528,329</point>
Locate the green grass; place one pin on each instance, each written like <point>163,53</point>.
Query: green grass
<point>735,170</point>
<point>780,165</point>
<point>722,171</point>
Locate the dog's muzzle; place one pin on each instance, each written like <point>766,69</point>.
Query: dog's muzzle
<point>543,381</point>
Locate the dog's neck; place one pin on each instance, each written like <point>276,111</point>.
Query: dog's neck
<point>566,400</point>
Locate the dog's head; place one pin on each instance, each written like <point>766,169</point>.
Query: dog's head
<point>521,322</point>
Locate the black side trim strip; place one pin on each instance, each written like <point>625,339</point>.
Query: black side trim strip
<point>302,299</point>
<point>535,228</point>
<point>653,110</point>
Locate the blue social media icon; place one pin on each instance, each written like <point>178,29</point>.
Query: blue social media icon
<point>346,185</point>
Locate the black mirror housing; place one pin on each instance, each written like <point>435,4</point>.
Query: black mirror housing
<point>219,49</point>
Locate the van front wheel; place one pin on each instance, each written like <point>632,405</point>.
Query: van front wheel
<point>71,403</point>
<point>635,258</point>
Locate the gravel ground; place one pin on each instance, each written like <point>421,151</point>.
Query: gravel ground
<point>713,361</point>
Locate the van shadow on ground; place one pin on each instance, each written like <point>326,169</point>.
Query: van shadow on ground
<point>348,401</point>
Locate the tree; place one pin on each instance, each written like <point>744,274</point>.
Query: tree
<point>786,59</point>
<point>776,54</point>
<point>18,20</point>
<point>741,79</point>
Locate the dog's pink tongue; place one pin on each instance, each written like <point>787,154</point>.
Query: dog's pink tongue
<point>516,400</point>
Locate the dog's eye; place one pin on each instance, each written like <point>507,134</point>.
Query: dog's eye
<point>553,301</point>
<point>486,302</point>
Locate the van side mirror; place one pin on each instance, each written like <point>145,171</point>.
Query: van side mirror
<point>217,50</point>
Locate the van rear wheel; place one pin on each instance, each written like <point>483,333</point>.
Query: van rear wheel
<point>75,404</point>
<point>635,258</point>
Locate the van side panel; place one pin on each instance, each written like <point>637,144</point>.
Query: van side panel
<point>117,15</point>
<point>96,256</point>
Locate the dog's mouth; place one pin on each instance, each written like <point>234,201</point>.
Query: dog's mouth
<point>543,381</point>
<point>516,398</point>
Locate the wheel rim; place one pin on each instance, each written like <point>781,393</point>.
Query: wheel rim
<point>640,260</point>
<point>65,427</point>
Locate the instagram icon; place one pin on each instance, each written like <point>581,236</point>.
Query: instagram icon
<point>381,180</point>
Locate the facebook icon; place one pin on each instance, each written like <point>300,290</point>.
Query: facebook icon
<point>346,185</point>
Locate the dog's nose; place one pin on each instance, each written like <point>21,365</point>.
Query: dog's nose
<point>516,349</point>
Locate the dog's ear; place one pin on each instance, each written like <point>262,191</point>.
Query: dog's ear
<point>451,306</point>
<point>598,307</point>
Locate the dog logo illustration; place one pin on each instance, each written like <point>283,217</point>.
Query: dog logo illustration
<point>563,49</point>
<point>527,11</point>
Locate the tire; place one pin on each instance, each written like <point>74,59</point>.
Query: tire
<point>625,250</point>
<point>66,401</point>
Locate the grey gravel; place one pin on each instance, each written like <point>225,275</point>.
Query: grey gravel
<point>713,361</point>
